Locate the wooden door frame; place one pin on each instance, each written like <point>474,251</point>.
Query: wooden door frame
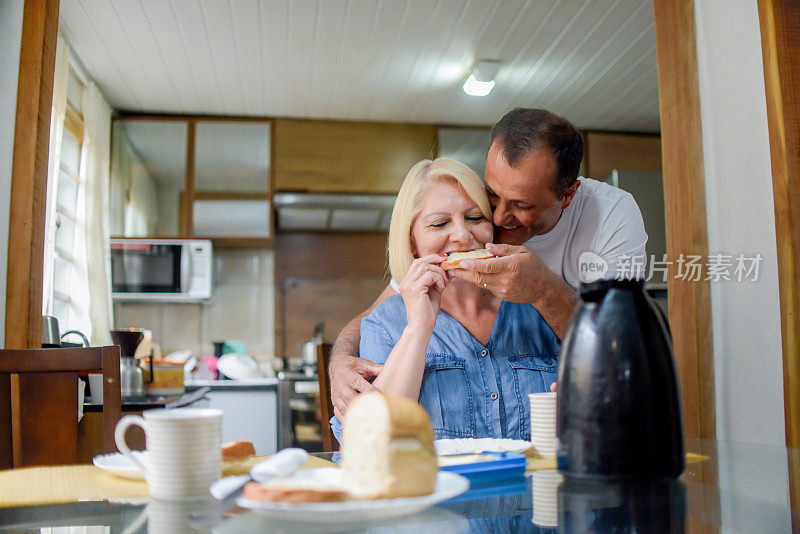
<point>23,321</point>
<point>780,40</point>
<point>685,210</point>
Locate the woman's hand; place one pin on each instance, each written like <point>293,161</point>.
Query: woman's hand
<point>422,291</point>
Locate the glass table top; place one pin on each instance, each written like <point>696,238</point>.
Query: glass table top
<point>740,488</point>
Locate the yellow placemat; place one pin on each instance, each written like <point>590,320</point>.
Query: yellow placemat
<point>536,462</point>
<point>73,483</point>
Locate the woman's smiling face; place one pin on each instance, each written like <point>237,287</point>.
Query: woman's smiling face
<point>448,221</point>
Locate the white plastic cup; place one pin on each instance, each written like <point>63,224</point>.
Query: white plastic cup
<point>184,454</point>
<point>543,422</point>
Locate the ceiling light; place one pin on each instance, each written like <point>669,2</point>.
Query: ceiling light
<point>481,80</point>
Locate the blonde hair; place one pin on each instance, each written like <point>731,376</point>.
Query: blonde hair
<point>409,203</point>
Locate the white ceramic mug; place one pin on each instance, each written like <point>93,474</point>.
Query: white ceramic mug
<point>184,454</point>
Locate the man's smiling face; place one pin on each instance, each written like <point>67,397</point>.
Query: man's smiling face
<point>522,197</point>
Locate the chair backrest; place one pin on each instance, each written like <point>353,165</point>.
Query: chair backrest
<point>329,442</point>
<point>39,402</point>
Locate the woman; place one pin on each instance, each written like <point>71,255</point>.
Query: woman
<point>469,358</point>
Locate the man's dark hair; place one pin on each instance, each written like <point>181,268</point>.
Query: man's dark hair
<point>524,130</point>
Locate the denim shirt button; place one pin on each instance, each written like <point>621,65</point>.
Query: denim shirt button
<point>493,396</point>
<point>484,352</point>
<point>549,362</point>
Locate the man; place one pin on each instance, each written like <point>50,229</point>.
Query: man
<point>553,231</point>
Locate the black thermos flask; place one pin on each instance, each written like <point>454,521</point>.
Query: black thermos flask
<point>619,414</point>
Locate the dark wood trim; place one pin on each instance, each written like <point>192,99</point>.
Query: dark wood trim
<point>277,296</point>
<point>42,361</point>
<point>230,195</point>
<point>181,236</point>
<point>187,217</point>
<point>584,169</point>
<point>780,46</point>
<point>617,132</point>
<point>329,442</point>
<point>6,445</point>
<point>487,127</point>
<point>112,401</point>
<point>40,382</point>
<point>131,116</point>
<point>271,188</point>
<point>238,242</point>
<point>686,221</point>
<point>41,393</point>
<point>26,223</point>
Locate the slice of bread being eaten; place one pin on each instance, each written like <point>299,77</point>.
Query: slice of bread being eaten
<point>387,448</point>
<point>454,259</point>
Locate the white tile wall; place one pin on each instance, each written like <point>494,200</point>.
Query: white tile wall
<point>242,308</point>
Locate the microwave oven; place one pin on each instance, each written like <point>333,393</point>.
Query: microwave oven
<point>161,270</point>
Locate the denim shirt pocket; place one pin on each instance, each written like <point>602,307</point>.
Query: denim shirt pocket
<point>445,394</point>
<point>533,373</point>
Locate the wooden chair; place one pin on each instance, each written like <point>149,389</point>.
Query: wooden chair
<point>329,442</point>
<point>39,403</point>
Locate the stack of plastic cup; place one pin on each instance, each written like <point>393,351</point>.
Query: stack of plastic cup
<point>543,423</point>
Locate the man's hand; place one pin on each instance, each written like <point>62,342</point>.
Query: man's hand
<point>349,376</point>
<point>519,275</point>
<point>516,275</point>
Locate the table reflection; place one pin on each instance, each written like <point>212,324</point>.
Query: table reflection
<point>597,506</point>
<point>738,487</point>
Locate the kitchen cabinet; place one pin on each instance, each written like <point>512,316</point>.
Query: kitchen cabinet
<point>148,178</point>
<point>605,152</point>
<point>192,177</point>
<point>348,157</point>
<point>231,180</point>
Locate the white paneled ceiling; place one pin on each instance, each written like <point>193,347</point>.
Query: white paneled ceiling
<point>381,60</point>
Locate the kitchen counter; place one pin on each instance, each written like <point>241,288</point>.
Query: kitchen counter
<point>235,385</point>
<point>138,404</point>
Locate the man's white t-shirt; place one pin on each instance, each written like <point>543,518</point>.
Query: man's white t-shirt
<point>599,235</point>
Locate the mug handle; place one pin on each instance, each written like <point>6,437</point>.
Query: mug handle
<point>119,437</point>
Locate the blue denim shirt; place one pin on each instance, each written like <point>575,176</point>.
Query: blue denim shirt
<point>470,390</point>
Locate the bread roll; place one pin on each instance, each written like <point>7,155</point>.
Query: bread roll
<point>387,448</point>
<point>454,259</point>
<point>237,450</point>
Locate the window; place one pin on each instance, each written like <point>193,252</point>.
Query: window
<point>67,218</point>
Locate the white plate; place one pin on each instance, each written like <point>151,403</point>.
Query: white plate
<point>448,485</point>
<point>470,445</point>
<point>119,465</point>
<point>238,366</point>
